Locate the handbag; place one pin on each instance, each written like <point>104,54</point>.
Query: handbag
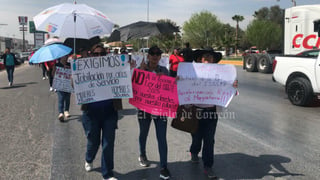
<point>186,119</point>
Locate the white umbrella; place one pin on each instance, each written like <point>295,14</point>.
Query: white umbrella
<point>73,21</point>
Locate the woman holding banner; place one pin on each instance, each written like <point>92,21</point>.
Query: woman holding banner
<point>63,97</point>
<point>100,117</point>
<point>144,118</point>
<point>208,119</point>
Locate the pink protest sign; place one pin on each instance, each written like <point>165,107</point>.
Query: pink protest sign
<point>154,94</point>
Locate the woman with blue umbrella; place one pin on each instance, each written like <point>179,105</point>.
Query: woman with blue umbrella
<point>50,52</point>
<point>46,54</point>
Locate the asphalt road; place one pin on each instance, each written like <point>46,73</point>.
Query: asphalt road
<point>259,136</point>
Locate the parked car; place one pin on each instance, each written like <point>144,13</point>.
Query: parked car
<point>300,76</point>
<point>22,56</point>
<point>1,64</point>
<point>144,50</point>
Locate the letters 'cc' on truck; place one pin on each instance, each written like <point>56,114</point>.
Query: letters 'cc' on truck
<point>300,74</point>
<point>299,36</point>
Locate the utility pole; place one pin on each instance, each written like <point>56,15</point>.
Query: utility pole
<point>148,12</point>
<point>23,39</point>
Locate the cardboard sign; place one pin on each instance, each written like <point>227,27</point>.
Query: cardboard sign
<point>100,78</point>
<point>62,80</point>
<point>154,94</point>
<point>206,83</point>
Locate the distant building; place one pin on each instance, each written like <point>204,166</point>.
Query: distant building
<point>15,44</point>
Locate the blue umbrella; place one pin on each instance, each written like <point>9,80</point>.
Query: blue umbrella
<point>50,52</point>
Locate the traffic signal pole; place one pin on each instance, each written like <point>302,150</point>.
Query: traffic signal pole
<point>23,40</point>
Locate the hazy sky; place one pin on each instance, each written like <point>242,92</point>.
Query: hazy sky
<point>123,12</point>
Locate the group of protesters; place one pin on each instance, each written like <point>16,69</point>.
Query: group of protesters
<point>99,119</point>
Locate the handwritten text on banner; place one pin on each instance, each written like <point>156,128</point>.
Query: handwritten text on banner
<point>202,83</point>
<point>154,94</point>
<point>100,78</point>
<point>62,80</point>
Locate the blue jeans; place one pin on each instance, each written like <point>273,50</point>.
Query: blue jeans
<point>161,132</point>
<point>95,121</point>
<point>206,132</point>
<point>63,101</point>
<point>10,70</point>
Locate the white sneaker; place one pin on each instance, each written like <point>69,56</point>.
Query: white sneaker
<point>112,178</point>
<point>88,166</point>
<point>43,78</point>
<point>61,117</point>
<point>51,89</point>
<point>66,114</point>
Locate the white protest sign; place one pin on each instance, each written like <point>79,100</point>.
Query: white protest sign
<point>138,58</point>
<point>202,83</point>
<point>164,61</point>
<point>100,78</point>
<point>62,80</point>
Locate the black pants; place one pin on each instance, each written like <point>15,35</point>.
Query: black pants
<point>44,70</point>
<point>50,77</point>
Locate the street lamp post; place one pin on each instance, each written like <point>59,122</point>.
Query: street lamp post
<point>148,11</point>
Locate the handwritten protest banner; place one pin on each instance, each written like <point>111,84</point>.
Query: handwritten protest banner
<point>154,94</point>
<point>62,80</point>
<point>101,78</point>
<point>201,83</point>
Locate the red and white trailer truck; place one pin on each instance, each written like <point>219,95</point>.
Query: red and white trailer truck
<point>299,35</point>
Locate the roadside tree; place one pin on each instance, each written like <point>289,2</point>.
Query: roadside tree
<point>264,34</point>
<point>203,29</point>
<point>237,18</point>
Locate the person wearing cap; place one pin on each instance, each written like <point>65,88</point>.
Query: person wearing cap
<point>174,60</point>
<point>144,118</point>
<point>207,124</point>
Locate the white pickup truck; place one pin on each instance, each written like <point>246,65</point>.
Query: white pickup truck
<point>301,77</point>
